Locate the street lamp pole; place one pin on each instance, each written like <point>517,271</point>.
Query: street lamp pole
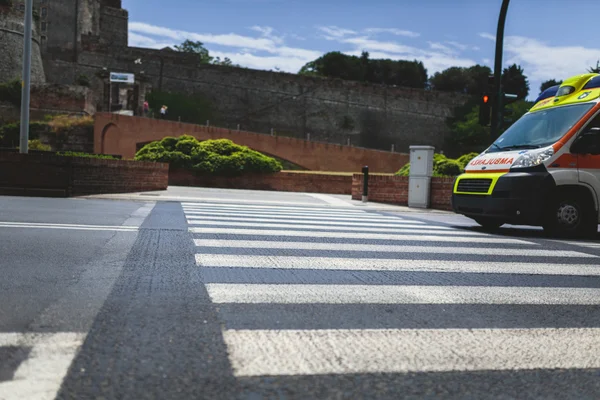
<point>26,82</point>
<point>497,105</point>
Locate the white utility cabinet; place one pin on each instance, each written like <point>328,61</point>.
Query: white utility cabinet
<point>421,170</point>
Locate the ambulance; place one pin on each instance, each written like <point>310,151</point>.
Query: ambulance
<point>544,170</point>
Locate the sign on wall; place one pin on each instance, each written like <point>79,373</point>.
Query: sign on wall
<point>122,77</point>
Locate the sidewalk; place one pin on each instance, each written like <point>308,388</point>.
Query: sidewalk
<point>198,194</point>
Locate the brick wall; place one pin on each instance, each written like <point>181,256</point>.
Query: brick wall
<point>118,134</point>
<point>441,193</point>
<point>394,190</point>
<point>37,174</point>
<point>382,188</point>
<point>282,181</point>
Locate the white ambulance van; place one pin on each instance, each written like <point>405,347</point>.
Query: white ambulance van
<point>545,169</point>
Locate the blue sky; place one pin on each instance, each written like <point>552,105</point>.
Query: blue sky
<point>548,38</point>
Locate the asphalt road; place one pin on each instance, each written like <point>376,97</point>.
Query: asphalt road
<point>254,295</point>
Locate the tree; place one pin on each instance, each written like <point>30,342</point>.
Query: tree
<point>226,62</point>
<point>195,47</point>
<point>596,69</point>
<point>514,81</point>
<point>364,69</point>
<point>548,84</point>
<point>453,79</point>
<point>472,80</point>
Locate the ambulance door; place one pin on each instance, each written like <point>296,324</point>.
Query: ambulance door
<point>589,156</point>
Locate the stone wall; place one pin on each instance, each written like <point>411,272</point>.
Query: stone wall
<point>50,99</point>
<point>11,48</point>
<point>335,111</point>
<point>50,175</point>
<point>113,26</point>
<point>282,181</point>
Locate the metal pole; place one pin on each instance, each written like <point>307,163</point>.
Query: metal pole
<point>365,195</point>
<point>496,106</point>
<point>26,83</point>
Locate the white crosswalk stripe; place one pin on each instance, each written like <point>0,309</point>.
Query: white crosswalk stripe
<point>438,236</point>
<point>332,215</point>
<point>401,228</point>
<point>305,250</point>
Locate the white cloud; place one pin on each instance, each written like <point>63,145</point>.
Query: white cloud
<point>244,48</point>
<point>459,46</point>
<point>441,47</point>
<point>267,32</point>
<point>542,61</point>
<point>231,39</point>
<point>487,36</point>
<point>393,31</point>
<point>334,32</point>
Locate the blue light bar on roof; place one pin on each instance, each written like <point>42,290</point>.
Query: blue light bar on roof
<point>592,83</point>
<point>550,92</point>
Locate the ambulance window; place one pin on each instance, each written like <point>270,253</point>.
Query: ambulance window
<point>595,122</point>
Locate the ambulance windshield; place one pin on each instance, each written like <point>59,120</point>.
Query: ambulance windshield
<point>540,129</point>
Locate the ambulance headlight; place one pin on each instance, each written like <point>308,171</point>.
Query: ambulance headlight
<point>533,158</point>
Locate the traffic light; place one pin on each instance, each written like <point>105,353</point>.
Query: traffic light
<point>507,112</point>
<point>485,109</point>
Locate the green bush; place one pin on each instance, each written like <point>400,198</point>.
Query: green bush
<point>37,145</point>
<point>448,168</point>
<point>10,133</point>
<point>83,80</point>
<point>11,92</point>
<point>404,171</point>
<point>465,159</point>
<point>219,157</point>
<point>443,166</point>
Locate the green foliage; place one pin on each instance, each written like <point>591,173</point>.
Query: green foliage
<point>404,171</point>
<point>204,56</point>
<point>11,92</point>
<point>472,80</point>
<point>465,159</point>
<point>219,157</point>
<point>83,80</point>
<point>198,48</point>
<point>86,155</point>
<point>6,3</point>
<point>514,81</point>
<point>443,166</point>
<point>363,69</point>
<point>448,168</point>
<point>193,109</point>
<point>596,69</point>
<point>548,84</point>
<point>10,133</point>
<point>37,145</point>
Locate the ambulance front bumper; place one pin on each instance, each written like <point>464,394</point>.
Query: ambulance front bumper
<point>516,197</point>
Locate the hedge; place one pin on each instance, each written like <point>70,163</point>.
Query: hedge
<point>220,157</point>
<point>442,166</point>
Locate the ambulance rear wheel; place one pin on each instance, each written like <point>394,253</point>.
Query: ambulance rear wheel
<point>490,224</point>
<point>571,215</point>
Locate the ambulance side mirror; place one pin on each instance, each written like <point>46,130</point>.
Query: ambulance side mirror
<point>588,142</point>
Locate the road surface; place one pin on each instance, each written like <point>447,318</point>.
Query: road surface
<point>253,295</point>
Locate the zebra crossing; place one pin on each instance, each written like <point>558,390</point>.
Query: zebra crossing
<point>308,291</point>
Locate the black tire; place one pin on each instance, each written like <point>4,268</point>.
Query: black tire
<point>571,215</point>
<point>490,224</point>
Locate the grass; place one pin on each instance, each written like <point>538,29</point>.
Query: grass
<point>62,123</point>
